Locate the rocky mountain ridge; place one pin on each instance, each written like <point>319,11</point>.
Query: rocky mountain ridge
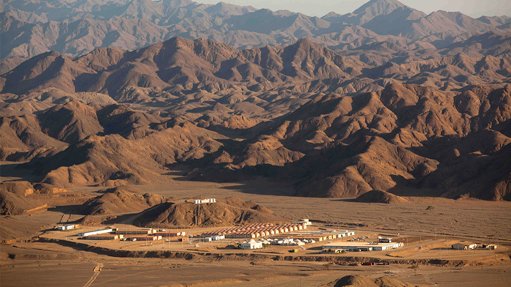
<point>29,27</point>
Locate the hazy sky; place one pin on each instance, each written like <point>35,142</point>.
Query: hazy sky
<point>474,8</point>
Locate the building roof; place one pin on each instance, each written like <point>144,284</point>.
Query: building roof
<point>358,244</point>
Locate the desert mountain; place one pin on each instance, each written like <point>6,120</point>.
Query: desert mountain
<point>403,135</point>
<point>223,213</point>
<point>114,160</point>
<point>334,123</point>
<point>162,71</point>
<point>119,201</point>
<point>78,27</point>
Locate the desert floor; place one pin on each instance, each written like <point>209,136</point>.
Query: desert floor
<point>28,263</point>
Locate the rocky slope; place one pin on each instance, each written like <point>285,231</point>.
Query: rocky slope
<point>120,201</point>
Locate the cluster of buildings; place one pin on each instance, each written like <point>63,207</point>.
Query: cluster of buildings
<point>256,236</point>
<point>258,244</point>
<point>143,234</point>
<point>473,246</point>
<point>256,230</point>
<point>317,235</point>
<point>297,238</point>
<point>384,243</point>
<point>211,238</point>
<point>288,242</point>
<point>259,235</point>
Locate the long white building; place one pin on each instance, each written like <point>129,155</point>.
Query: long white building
<point>362,246</point>
<point>96,232</point>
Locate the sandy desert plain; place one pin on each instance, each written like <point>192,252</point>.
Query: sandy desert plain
<point>39,256</point>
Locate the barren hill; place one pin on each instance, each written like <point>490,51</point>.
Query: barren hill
<point>15,198</point>
<point>223,213</point>
<point>113,160</point>
<point>120,201</point>
<point>378,196</point>
<point>14,204</point>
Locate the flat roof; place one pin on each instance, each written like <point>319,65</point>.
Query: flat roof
<point>355,244</point>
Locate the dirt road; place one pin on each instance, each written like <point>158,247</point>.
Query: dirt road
<point>97,271</point>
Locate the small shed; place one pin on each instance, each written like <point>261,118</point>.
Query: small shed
<point>67,227</point>
<point>252,244</point>
<point>218,237</point>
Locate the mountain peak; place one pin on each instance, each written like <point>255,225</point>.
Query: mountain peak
<point>387,2</point>
<point>380,7</point>
<point>377,8</point>
<point>331,14</point>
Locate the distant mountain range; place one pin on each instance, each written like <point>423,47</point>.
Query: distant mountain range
<point>30,27</point>
<point>385,98</point>
<point>178,65</point>
<point>334,123</point>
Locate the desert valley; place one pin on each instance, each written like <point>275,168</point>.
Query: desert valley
<point>174,143</point>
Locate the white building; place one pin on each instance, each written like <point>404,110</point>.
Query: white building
<point>362,246</point>
<point>67,227</point>
<point>204,201</point>
<point>252,244</point>
<point>305,222</point>
<point>96,232</point>
<point>387,246</point>
<point>288,242</point>
<point>212,238</point>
